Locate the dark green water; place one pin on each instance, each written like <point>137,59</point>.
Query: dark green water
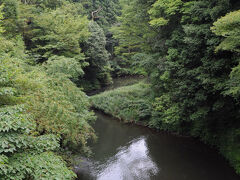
<point>129,152</point>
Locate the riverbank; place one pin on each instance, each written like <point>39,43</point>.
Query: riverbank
<point>135,104</point>
<point>117,82</point>
<point>128,103</point>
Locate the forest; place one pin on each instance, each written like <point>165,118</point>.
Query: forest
<point>54,52</point>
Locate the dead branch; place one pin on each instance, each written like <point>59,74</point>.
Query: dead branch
<point>94,13</point>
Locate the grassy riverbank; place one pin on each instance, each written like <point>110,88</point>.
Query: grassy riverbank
<point>136,104</point>
<point>128,103</point>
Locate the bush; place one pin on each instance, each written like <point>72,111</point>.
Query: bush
<point>37,112</point>
<point>23,152</point>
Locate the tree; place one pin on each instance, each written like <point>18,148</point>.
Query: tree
<point>40,108</point>
<point>133,33</point>
<point>163,10</point>
<point>59,32</point>
<point>108,11</point>
<point>98,70</point>
<point>10,20</point>
<point>23,152</point>
<point>54,37</point>
<point>1,18</point>
<point>229,28</point>
<point>190,80</point>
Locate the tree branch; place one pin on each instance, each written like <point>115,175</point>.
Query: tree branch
<point>94,13</point>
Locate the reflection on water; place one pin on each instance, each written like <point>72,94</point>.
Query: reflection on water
<point>130,163</point>
<point>129,152</point>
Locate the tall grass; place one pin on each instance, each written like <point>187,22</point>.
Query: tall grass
<point>128,103</point>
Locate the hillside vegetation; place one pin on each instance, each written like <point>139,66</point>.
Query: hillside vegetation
<point>190,53</point>
<point>53,51</point>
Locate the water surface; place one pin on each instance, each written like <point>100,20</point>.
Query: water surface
<point>130,152</point>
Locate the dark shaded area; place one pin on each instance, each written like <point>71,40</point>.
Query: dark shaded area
<point>176,158</point>
<point>118,82</point>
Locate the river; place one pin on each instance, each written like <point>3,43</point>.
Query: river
<point>131,152</point>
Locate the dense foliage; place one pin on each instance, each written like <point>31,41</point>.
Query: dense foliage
<point>64,38</point>
<point>47,47</point>
<point>41,109</point>
<point>107,11</point>
<point>98,71</point>
<point>132,33</point>
<point>190,51</point>
<point>24,152</point>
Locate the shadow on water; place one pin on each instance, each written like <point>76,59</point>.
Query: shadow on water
<point>129,152</point>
